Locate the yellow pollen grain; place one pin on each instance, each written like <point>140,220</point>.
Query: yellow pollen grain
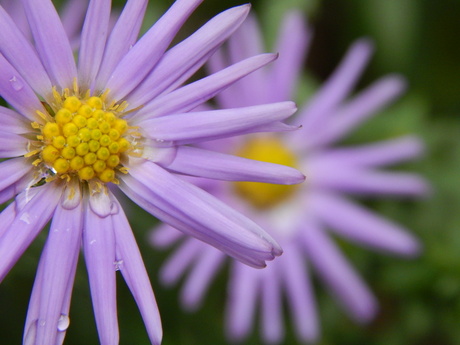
<point>80,138</point>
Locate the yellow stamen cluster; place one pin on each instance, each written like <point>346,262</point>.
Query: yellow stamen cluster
<point>267,149</point>
<point>84,138</point>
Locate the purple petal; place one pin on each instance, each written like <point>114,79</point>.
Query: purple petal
<point>201,275</point>
<point>144,55</point>
<point>337,87</point>
<point>51,42</point>
<point>271,305</point>
<point>339,276</point>
<point>15,90</point>
<point>22,184</point>
<point>12,170</point>
<point>215,165</point>
<point>12,145</point>
<point>21,54</point>
<point>93,38</point>
<point>363,106</point>
<point>362,226</point>
<point>30,220</point>
<point>72,17</point>
<point>190,96</point>
<point>194,127</point>
<point>13,122</point>
<point>243,292</point>
<point>177,264</point>
<point>366,181</point>
<point>56,270</point>
<point>381,153</point>
<point>130,263</point>
<point>188,55</point>
<point>164,236</point>
<point>253,89</point>
<point>292,44</point>
<point>121,39</point>
<point>99,250</point>
<point>197,213</point>
<point>299,291</point>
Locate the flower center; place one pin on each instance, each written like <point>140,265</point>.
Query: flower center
<point>268,149</point>
<point>83,136</point>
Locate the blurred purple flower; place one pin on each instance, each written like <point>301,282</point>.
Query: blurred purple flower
<point>301,219</point>
<point>118,117</point>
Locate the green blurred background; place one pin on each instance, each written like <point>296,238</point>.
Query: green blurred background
<point>420,299</point>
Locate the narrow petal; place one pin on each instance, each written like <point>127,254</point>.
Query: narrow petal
<point>130,264</point>
<point>29,221</point>
<point>366,181</point>
<point>203,163</point>
<point>121,39</point>
<point>15,90</point>
<point>99,250</point>
<point>51,41</point>
<point>144,55</point>
<point>197,213</point>
<point>12,145</point>
<point>13,122</point>
<point>188,55</point>
<point>72,17</point>
<point>195,127</point>
<point>299,292</point>
<point>164,236</point>
<point>19,186</point>
<point>292,44</point>
<point>382,153</point>
<point>337,273</point>
<point>12,170</point>
<point>362,226</point>
<point>192,95</point>
<point>337,87</point>
<point>176,265</point>
<point>21,54</point>
<point>201,275</point>
<point>93,38</point>
<point>363,106</point>
<point>271,305</point>
<point>56,269</point>
<point>243,292</point>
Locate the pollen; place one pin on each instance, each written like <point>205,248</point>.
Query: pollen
<point>266,148</point>
<point>83,137</point>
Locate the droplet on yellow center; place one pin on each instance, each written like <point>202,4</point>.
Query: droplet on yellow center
<point>267,149</point>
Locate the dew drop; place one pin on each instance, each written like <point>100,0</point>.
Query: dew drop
<point>118,264</point>
<point>63,323</point>
<point>25,217</point>
<point>16,84</point>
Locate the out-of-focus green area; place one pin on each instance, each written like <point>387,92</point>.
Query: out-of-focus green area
<point>419,299</point>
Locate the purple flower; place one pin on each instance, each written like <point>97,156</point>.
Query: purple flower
<point>301,217</point>
<point>118,117</point>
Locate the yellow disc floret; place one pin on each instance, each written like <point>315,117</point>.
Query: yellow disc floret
<point>268,149</point>
<point>83,137</point>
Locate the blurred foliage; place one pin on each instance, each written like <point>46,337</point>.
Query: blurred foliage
<point>419,299</point>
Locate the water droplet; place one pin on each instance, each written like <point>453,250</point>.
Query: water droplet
<point>16,84</point>
<point>63,323</point>
<point>92,242</point>
<point>25,217</point>
<point>118,264</point>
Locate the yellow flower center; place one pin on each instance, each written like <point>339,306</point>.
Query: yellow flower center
<point>83,136</point>
<point>267,149</point>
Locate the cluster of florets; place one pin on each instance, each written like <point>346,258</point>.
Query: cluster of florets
<point>83,138</point>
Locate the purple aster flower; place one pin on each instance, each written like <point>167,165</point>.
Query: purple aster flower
<point>301,217</point>
<point>119,117</point>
